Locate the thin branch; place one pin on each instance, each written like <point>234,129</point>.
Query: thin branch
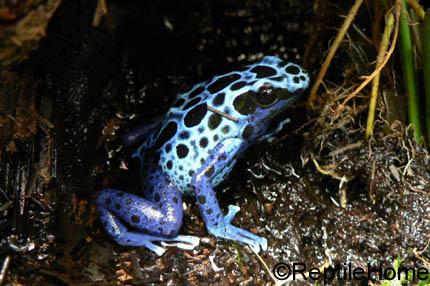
<point>333,49</point>
<point>375,86</point>
<point>380,67</point>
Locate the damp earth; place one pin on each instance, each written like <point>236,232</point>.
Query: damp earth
<point>319,194</point>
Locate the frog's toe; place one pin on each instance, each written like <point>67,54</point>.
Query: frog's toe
<point>183,241</point>
<point>231,232</point>
<point>263,244</point>
<point>192,240</point>
<point>155,248</point>
<point>186,242</point>
<point>259,242</point>
<point>256,242</point>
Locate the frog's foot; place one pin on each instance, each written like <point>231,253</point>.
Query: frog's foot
<point>118,231</point>
<point>228,231</point>
<point>185,242</point>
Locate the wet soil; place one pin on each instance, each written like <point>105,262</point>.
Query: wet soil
<point>320,194</point>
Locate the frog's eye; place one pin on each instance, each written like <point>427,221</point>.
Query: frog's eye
<point>265,95</point>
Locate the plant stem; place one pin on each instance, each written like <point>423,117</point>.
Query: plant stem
<point>426,69</point>
<point>340,35</point>
<point>375,83</point>
<point>368,78</point>
<point>419,10</point>
<point>409,72</point>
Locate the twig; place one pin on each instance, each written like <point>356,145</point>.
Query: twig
<point>419,10</point>
<point>332,173</point>
<point>101,10</point>
<point>223,114</point>
<point>375,87</point>
<point>378,69</point>
<point>268,271</point>
<point>278,282</point>
<point>4,269</point>
<point>332,51</point>
<point>349,147</point>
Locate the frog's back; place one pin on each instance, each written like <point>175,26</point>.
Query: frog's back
<point>206,115</point>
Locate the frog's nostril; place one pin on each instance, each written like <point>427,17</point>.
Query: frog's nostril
<point>304,78</point>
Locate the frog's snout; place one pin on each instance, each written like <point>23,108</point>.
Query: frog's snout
<point>298,78</point>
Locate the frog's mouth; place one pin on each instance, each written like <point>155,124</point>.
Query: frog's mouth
<point>278,116</point>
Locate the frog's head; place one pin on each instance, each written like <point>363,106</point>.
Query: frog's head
<point>275,85</point>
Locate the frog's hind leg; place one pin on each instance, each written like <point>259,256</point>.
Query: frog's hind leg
<point>160,219</point>
<point>118,231</point>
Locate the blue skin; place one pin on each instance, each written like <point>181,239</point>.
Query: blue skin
<point>193,148</point>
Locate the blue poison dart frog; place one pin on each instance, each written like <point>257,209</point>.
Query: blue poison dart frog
<point>193,148</point>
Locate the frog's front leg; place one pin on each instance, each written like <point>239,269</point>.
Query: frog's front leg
<point>216,223</point>
<point>160,218</point>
